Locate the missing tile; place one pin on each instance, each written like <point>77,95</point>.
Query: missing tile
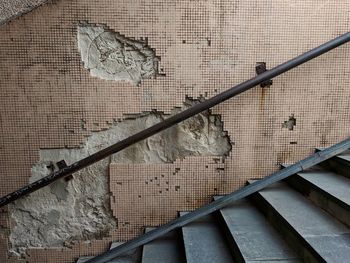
<point>111,56</point>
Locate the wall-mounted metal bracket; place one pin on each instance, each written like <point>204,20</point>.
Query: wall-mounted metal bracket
<point>62,164</point>
<point>261,68</point>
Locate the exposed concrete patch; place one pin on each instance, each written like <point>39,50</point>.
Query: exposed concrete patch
<point>64,211</point>
<point>112,56</point>
<point>79,209</point>
<point>290,123</point>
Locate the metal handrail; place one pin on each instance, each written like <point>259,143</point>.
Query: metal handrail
<point>205,105</point>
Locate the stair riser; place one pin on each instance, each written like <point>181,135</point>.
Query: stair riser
<point>236,253</point>
<point>338,165</point>
<point>204,242</point>
<point>327,202</point>
<point>294,240</point>
<point>168,249</point>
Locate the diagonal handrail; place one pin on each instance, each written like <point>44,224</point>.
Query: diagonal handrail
<point>256,186</point>
<point>267,75</point>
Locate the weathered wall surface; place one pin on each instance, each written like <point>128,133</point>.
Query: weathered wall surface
<point>79,209</point>
<point>111,56</point>
<point>11,9</point>
<point>149,57</point>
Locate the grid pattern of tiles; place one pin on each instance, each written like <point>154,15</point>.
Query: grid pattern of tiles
<point>48,99</point>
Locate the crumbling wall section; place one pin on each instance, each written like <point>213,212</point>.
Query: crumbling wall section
<point>112,56</point>
<point>50,101</point>
<point>79,209</point>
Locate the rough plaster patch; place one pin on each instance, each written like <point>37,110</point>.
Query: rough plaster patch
<point>64,211</point>
<point>111,56</point>
<point>79,209</point>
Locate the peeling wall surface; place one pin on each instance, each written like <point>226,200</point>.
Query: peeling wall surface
<point>79,209</point>
<point>111,56</point>
<point>79,75</point>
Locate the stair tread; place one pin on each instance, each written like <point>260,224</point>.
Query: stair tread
<point>334,184</point>
<point>326,235</point>
<point>345,157</point>
<point>161,251</point>
<point>204,242</point>
<point>255,238</point>
<point>165,249</point>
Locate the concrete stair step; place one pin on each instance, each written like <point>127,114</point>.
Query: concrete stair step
<point>165,249</point>
<point>312,232</point>
<point>240,233</point>
<point>204,242</point>
<point>340,163</point>
<point>251,237</point>
<point>327,189</point>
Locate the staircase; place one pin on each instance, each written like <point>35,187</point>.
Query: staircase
<point>305,218</point>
